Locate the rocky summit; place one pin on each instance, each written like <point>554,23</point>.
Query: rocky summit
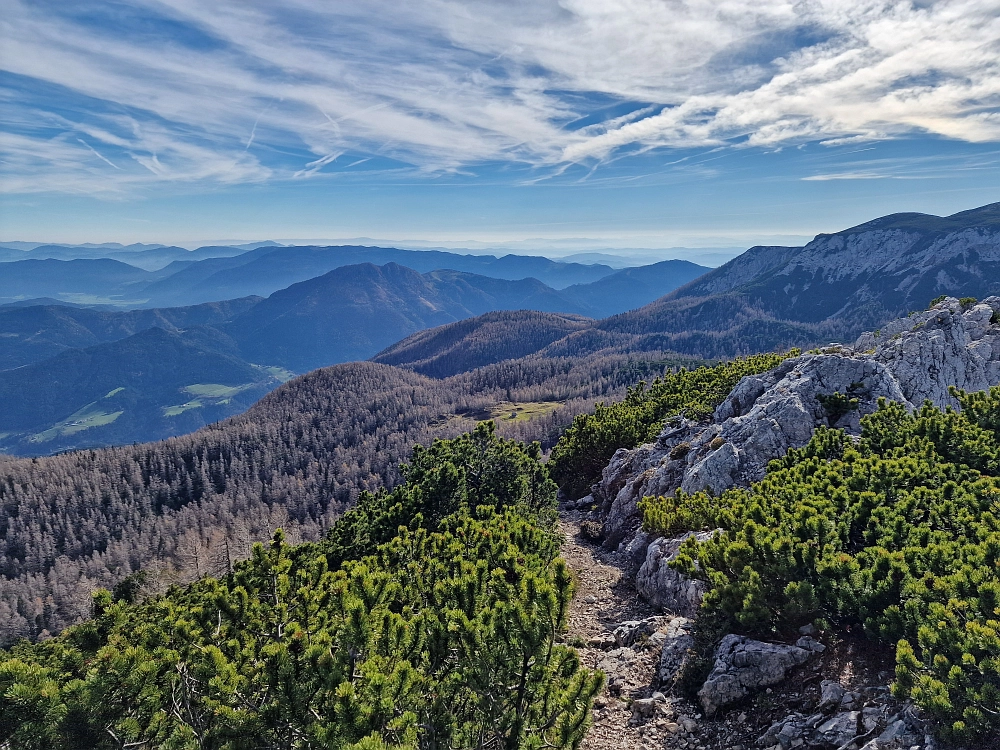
<point>953,344</point>
<point>835,697</point>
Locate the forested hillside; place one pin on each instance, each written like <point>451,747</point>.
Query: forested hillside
<point>191,505</point>
<point>355,311</point>
<point>32,333</point>
<point>477,342</point>
<point>155,384</point>
<point>427,618</point>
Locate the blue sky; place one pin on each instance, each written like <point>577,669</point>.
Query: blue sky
<point>580,123</point>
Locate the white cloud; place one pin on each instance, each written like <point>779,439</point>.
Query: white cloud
<point>276,88</point>
<point>845,176</point>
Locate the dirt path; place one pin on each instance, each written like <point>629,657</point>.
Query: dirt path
<point>605,598</point>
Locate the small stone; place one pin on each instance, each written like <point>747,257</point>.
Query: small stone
<point>894,730</point>
<point>590,600</point>
<point>809,629</point>
<point>671,727</point>
<point>741,718</point>
<point>810,644</point>
<point>659,697</point>
<point>831,693</point>
<point>849,700</point>
<point>644,707</point>
<point>689,725</point>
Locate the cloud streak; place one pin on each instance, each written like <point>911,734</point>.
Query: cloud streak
<point>441,86</point>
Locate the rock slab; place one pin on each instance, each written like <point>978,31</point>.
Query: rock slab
<point>743,665</point>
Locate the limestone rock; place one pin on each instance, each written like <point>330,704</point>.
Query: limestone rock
<point>909,360</point>
<point>810,644</point>
<point>630,632</point>
<point>838,730</point>
<point>644,707</point>
<point>743,665</point>
<point>664,587</point>
<point>830,694</point>
<point>676,647</point>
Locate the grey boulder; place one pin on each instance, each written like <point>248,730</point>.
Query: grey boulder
<point>664,587</point>
<point>743,665</point>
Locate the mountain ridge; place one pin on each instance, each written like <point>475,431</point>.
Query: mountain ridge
<point>832,288</point>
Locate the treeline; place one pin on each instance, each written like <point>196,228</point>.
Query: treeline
<point>193,505</point>
<point>898,534</point>
<point>427,618</point>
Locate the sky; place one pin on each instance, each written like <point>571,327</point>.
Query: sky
<point>631,125</point>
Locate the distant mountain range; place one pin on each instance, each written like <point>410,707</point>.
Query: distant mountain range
<point>65,354</point>
<point>58,361</point>
<point>170,276</point>
<point>777,297</point>
<point>353,312</point>
<point>147,257</point>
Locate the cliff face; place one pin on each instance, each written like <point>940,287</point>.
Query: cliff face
<point>908,360</point>
<point>869,272</point>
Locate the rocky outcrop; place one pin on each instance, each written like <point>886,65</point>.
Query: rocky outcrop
<point>908,360</point>
<point>664,587</point>
<point>743,665</point>
<point>880,725</point>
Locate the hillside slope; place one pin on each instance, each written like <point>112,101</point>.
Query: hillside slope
<point>152,384</point>
<point>633,287</point>
<point>54,278</point>
<point>353,312</point>
<point>31,333</point>
<point>477,342</point>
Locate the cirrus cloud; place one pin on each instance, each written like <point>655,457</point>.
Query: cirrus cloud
<point>108,98</point>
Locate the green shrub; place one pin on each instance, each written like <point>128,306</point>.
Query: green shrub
<point>898,534</point>
<point>837,405</point>
<point>937,300</point>
<point>590,442</point>
<point>444,635</point>
<point>968,302</point>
